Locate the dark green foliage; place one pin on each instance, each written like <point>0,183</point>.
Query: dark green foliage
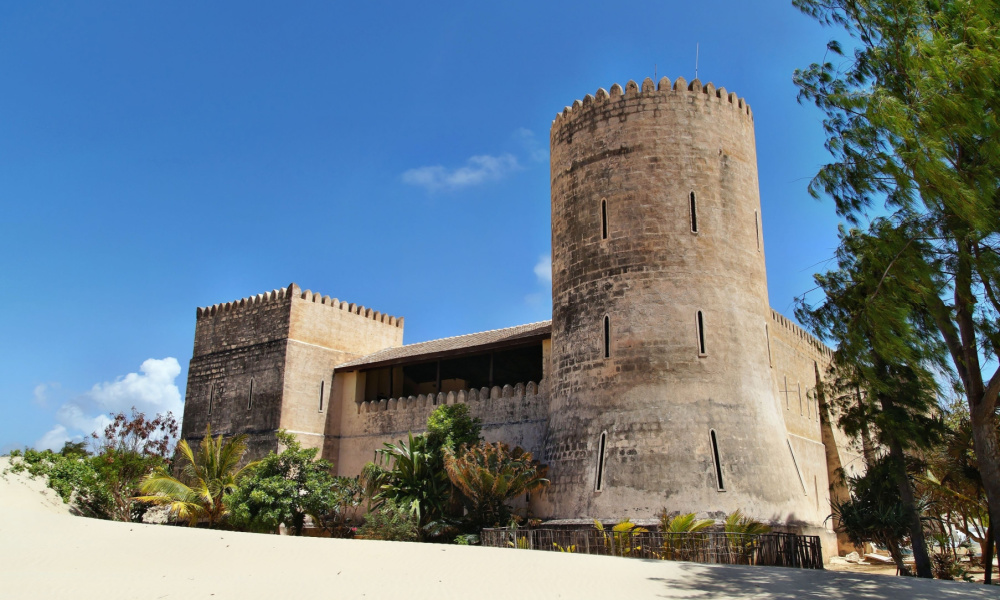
<point>74,449</point>
<point>413,479</point>
<point>200,492</point>
<point>912,125</point>
<point>348,493</point>
<point>489,476</point>
<point>284,488</point>
<point>390,522</point>
<point>450,426</point>
<point>104,485</point>
<point>75,479</point>
<point>411,473</point>
<point>875,512</point>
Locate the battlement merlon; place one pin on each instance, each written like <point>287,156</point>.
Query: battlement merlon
<point>632,91</point>
<point>796,332</point>
<point>291,313</point>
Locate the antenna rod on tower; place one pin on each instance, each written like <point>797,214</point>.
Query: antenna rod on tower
<point>696,60</point>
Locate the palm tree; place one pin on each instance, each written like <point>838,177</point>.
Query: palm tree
<point>677,543</point>
<point>621,540</point>
<point>742,531</point>
<point>206,479</point>
<point>412,478</point>
<point>489,475</point>
<point>683,523</point>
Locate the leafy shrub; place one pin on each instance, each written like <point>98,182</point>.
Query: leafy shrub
<point>621,540</point>
<point>450,426</point>
<point>205,482</point>
<point>413,478</point>
<point>130,448</point>
<point>283,488</point>
<point>489,475</point>
<point>73,477</point>
<point>390,522</point>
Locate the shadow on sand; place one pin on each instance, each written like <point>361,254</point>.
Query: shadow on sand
<point>728,581</point>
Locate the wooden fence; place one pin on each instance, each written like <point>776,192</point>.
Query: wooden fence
<point>769,549</point>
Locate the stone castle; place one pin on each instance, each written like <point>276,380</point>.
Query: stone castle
<point>663,381</point>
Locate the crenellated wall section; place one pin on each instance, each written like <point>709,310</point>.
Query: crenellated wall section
<point>280,347</point>
<point>514,414</point>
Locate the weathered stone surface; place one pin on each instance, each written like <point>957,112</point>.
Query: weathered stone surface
<point>624,247</point>
<point>657,397</point>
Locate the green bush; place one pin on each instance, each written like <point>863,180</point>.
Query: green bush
<point>284,488</point>
<point>73,476</point>
<point>390,522</point>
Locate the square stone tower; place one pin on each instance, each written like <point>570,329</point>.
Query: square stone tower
<point>266,363</point>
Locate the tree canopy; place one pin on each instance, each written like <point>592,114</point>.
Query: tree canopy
<point>911,119</point>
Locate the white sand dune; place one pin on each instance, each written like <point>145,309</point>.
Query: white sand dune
<point>45,552</point>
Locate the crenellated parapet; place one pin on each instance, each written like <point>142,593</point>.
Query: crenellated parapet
<point>428,402</point>
<point>797,332</point>
<point>610,104</point>
<point>274,296</point>
<point>293,291</point>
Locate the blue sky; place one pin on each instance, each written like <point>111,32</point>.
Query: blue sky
<point>156,157</point>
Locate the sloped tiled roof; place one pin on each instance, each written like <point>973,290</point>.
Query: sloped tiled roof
<point>469,341</point>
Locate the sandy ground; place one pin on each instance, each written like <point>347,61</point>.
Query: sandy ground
<point>978,575</point>
<point>47,553</point>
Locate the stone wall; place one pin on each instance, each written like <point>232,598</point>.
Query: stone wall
<point>516,415</point>
<point>323,333</point>
<point>236,343</point>
<point>286,342</point>
<point>637,154</point>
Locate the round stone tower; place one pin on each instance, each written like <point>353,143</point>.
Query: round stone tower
<point>661,389</point>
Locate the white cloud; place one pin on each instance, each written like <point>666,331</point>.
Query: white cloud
<point>536,151</point>
<point>477,170</point>
<point>543,269</point>
<point>41,393</point>
<point>151,391</point>
<point>53,440</point>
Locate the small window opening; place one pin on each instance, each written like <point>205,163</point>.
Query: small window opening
<point>701,334</point>
<point>816,489</point>
<point>600,461</point>
<point>604,219</point>
<point>607,336</point>
<point>717,461</point>
<point>694,214</point>
<point>799,386</point>
<point>322,384</point>
<point>770,363</point>
<point>211,398</point>
<point>756,226</point>
<point>797,471</point>
<point>250,395</point>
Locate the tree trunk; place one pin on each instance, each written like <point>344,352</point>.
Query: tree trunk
<point>866,440</point>
<point>982,398</point>
<point>897,557</point>
<point>921,559</point>
<point>987,447</point>
<point>298,523</point>
<point>988,556</point>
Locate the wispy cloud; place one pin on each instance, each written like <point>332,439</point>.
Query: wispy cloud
<point>543,269</point>
<point>541,300</point>
<point>40,395</point>
<point>151,391</point>
<point>477,170</point>
<point>536,151</point>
